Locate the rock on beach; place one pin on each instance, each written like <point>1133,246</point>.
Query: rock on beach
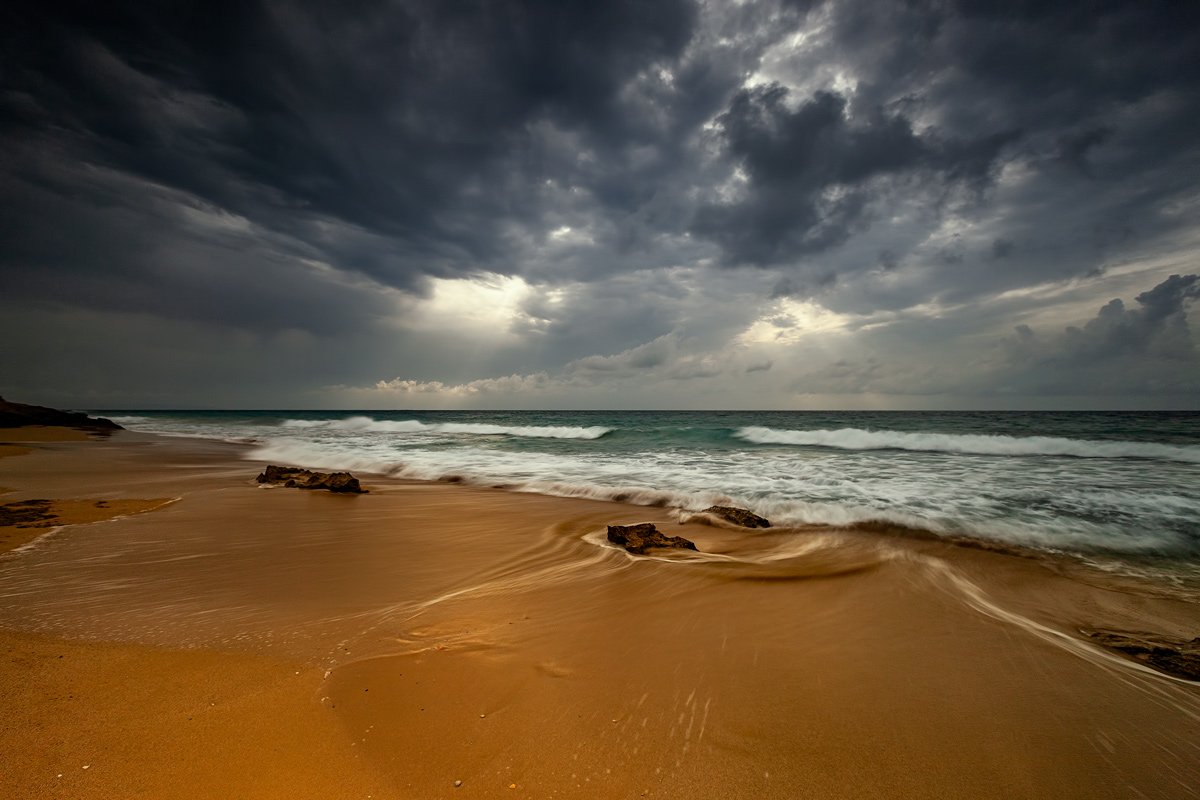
<point>1177,657</point>
<point>738,516</point>
<point>341,482</point>
<point>636,538</point>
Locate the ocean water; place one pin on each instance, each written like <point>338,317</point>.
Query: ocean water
<point>1118,485</point>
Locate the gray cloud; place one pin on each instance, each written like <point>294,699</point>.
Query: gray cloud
<point>184,182</point>
<point>1148,348</point>
<point>813,173</point>
<point>409,121</point>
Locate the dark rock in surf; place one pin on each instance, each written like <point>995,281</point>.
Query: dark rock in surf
<point>340,482</point>
<point>16,415</point>
<point>636,538</point>
<point>336,482</point>
<point>1177,657</point>
<point>274,474</point>
<point>738,516</point>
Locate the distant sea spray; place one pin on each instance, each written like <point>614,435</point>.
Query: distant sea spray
<point>857,439</point>
<point>481,429</point>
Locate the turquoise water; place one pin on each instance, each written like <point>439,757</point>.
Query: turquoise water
<point>1121,484</point>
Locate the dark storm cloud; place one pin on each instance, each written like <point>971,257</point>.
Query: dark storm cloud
<point>812,172</point>
<point>415,138</point>
<point>103,241</point>
<point>1091,104</point>
<point>267,167</point>
<point>406,121</point>
<point>1073,148</point>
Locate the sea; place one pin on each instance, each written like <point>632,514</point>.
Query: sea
<point>1119,489</point>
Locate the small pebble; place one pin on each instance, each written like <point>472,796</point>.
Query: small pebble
<point>458,783</point>
<point>481,716</point>
<point>512,786</point>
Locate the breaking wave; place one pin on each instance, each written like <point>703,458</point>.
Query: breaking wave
<point>1087,484</point>
<point>546,474</point>
<point>369,425</point>
<point>1077,519</point>
<point>976,444</point>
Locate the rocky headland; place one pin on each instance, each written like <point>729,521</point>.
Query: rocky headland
<point>17,415</point>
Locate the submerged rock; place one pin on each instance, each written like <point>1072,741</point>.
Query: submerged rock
<point>27,514</point>
<point>1178,657</point>
<point>342,482</point>
<point>738,516</point>
<point>636,538</point>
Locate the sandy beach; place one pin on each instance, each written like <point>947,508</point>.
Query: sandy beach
<point>752,400</point>
<point>200,635</point>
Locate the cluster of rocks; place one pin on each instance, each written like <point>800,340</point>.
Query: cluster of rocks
<point>1178,657</point>
<point>17,415</point>
<point>341,482</point>
<point>638,538</point>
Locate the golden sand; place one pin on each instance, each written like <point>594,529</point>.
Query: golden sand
<point>36,516</point>
<point>106,720</point>
<point>447,633</point>
<point>42,433</point>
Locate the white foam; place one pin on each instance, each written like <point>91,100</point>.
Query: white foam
<point>794,491</point>
<point>541,432</point>
<point>991,445</point>
<point>369,425</point>
<point>1103,500</point>
<point>299,453</point>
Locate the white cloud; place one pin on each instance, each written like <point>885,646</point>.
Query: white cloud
<point>509,384</point>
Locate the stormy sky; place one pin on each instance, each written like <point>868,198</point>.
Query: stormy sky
<point>622,204</point>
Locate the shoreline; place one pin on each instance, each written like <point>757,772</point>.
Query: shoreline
<point>836,662</point>
<point>1142,572</point>
<point>1068,516</point>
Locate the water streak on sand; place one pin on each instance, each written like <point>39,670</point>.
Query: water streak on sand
<point>1164,689</point>
<point>515,581</point>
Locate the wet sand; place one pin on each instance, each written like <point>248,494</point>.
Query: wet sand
<point>22,522</point>
<point>42,433</point>
<point>444,632</point>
